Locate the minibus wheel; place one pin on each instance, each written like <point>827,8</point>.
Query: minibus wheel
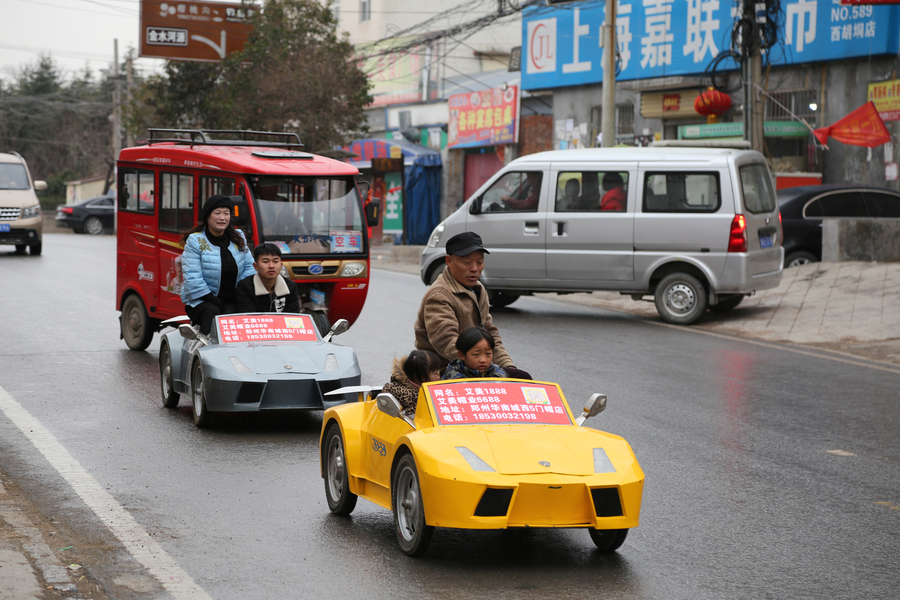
<point>680,298</point>
<point>135,323</point>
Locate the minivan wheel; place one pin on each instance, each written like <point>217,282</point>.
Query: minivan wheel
<point>501,299</point>
<point>20,248</point>
<point>727,303</point>
<point>35,249</point>
<point>680,298</point>
<point>799,258</point>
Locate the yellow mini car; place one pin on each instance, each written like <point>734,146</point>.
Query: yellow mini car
<point>481,454</point>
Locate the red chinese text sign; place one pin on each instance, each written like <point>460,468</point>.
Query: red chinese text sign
<point>484,118</point>
<point>235,329</point>
<point>497,401</point>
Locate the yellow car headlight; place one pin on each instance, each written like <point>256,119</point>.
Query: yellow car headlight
<point>474,460</point>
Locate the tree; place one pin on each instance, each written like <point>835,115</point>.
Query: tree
<point>61,127</point>
<point>294,74</point>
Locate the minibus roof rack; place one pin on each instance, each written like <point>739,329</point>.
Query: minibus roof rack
<point>210,137</point>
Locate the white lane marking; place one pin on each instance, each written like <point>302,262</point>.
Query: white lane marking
<point>137,542</point>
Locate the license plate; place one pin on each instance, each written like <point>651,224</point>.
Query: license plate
<point>766,241</point>
<point>4,227</point>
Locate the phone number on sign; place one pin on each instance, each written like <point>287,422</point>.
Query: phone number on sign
<point>504,416</point>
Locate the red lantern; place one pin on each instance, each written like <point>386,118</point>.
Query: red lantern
<point>711,104</point>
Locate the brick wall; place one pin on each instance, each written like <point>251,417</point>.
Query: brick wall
<point>535,134</point>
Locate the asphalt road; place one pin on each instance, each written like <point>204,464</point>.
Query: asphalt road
<point>770,472</point>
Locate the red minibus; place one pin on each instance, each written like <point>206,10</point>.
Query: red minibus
<point>307,205</point>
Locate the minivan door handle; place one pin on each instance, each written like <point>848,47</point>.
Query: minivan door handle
<point>532,227</point>
<point>560,229</point>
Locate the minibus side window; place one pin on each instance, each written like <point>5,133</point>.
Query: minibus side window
<point>210,186</point>
<point>513,192</point>
<point>680,192</point>
<point>591,191</point>
<point>136,191</point>
<point>176,209</point>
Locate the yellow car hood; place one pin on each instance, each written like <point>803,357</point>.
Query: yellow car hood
<point>560,450</point>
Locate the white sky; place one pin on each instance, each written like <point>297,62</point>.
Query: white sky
<point>75,33</point>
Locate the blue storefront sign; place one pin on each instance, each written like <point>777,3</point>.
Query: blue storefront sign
<point>662,38</point>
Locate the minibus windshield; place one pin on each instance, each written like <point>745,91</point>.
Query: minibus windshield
<point>309,215</point>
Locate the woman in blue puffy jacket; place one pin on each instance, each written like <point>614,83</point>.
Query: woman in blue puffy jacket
<point>215,259</point>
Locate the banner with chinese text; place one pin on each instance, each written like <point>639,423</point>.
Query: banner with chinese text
<point>664,38</point>
<point>484,118</point>
<point>235,329</point>
<point>886,96</point>
<point>497,401</point>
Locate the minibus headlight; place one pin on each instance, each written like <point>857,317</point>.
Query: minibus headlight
<point>436,235</point>
<point>31,212</point>
<point>352,269</point>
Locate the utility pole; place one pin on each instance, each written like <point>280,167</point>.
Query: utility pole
<point>751,72</point>
<point>129,85</point>
<point>117,104</point>
<point>608,117</point>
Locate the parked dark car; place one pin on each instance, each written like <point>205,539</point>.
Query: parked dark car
<point>92,216</point>
<point>803,209</point>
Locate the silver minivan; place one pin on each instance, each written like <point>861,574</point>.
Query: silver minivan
<point>694,228</point>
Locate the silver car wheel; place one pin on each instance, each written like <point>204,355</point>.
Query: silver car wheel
<point>198,397</point>
<point>680,298</point>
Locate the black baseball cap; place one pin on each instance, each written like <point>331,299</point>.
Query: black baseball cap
<point>464,244</point>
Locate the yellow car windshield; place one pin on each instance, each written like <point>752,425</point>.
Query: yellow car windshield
<point>496,402</point>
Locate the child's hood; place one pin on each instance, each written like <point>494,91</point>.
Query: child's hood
<point>397,371</point>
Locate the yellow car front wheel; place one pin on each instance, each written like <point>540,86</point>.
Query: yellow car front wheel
<point>341,501</point>
<point>608,540</point>
<point>409,513</point>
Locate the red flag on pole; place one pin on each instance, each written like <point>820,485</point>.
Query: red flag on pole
<point>862,127</point>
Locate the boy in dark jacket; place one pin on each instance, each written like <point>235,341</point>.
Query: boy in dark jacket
<point>267,291</point>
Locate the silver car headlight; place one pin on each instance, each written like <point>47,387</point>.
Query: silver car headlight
<point>31,212</point>
<point>239,366</point>
<point>436,235</point>
<point>352,269</point>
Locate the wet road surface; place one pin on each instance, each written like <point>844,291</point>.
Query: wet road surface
<point>769,472</point>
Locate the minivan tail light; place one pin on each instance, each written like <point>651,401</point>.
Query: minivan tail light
<point>737,242</point>
<point>780,230</point>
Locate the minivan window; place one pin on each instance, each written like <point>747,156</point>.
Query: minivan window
<point>309,215</point>
<point>176,207</point>
<point>884,205</point>
<point>757,188</point>
<point>679,192</point>
<point>839,204</point>
<point>137,192</point>
<point>591,191</point>
<point>13,177</point>
<point>516,191</point>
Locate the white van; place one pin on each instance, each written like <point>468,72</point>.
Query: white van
<point>695,228</point>
<point>20,211</point>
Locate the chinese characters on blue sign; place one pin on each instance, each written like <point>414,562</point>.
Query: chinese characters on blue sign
<point>661,38</point>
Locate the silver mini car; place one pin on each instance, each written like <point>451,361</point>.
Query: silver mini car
<point>694,228</point>
<point>253,362</point>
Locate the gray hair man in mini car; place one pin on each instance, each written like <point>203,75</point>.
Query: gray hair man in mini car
<point>456,301</point>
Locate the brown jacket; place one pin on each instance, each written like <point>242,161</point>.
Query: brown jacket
<point>449,308</point>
